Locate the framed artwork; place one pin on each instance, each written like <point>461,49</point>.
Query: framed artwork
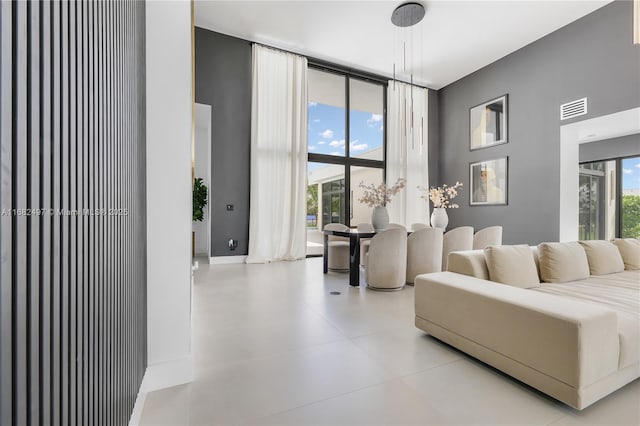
<point>488,182</point>
<point>488,124</point>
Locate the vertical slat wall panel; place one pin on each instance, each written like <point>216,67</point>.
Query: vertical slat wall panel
<point>6,204</point>
<point>33,202</point>
<point>56,121</point>
<point>72,194</point>
<point>19,199</point>
<point>45,200</point>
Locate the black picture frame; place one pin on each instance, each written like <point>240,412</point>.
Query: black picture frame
<point>489,182</point>
<point>489,123</point>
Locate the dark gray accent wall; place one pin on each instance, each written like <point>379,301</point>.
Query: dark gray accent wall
<point>223,80</point>
<point>625,146</point>
<point>433,129</point>
<point>592,57</point>
<point>72,228</point>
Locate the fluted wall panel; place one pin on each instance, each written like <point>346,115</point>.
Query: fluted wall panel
<point>72,199</point>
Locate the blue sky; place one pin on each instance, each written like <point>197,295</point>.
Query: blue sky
<point>631,173</point>
<point>327,130</point>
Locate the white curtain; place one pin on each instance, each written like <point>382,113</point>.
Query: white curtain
<point>277,219</point>
<point>407,151</point>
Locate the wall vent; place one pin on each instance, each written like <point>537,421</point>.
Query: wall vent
<point>573,109</point>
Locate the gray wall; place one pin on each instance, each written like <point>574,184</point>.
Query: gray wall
<point>434,137</point>
<point>223,80</point>
<point>626,146</point>
<point>592,57</point>
<point>72,281</point>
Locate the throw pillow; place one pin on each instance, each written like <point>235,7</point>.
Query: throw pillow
<point>512,265</point>
<point>562,262</point>
<point>630,251</point>
<point>604,257</point>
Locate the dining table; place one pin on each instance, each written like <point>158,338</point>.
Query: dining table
<point>354,252</point>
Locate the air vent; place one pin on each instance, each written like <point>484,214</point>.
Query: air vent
<point>573,109</point>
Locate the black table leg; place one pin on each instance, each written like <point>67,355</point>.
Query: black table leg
<point>325,257</point>
<point>354,260</point>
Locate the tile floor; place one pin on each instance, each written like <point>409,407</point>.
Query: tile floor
<point>273,347</point>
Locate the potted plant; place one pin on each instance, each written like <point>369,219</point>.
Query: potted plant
<point>377,196</point>
<point>199,202</point>
<point>441,197</point>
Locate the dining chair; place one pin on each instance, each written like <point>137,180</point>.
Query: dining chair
<point>489,236</point>
<point>364,242</point>
<point>457,239</point>
<point>424,252</point>
<point>386,265</point>
<point>338,248</point>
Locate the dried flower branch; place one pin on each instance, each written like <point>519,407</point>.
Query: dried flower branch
<point>380,195</point>
<point>441,196</point>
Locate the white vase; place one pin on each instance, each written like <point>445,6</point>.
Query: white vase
<point>439,218</point>
<point>380,218</point>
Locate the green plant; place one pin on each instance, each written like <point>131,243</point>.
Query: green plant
<point>630,216</point>
<point>199,199</point>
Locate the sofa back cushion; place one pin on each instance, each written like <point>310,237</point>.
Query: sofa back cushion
<point>630,251</point>
<point>512,265</point>
<point>562,262</point>
<point>604,257</point>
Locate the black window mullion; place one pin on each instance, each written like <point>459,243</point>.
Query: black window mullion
<point>619,197</point>
<point>347,161</point>
<point>347,153</point>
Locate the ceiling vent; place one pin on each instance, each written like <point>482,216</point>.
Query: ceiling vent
<point>573,109</point>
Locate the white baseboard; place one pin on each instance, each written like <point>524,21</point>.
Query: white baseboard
<point>226,260</point>
<point>167,374</point>
<point>160,376</point>
<point>136,414</point>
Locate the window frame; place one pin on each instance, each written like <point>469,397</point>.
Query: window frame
<point>347,161</point>
<point>619,177</point>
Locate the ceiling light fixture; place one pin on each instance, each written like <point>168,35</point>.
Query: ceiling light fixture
<point>406,16</point>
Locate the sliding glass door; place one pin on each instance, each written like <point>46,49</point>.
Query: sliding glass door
<point>609,199</point>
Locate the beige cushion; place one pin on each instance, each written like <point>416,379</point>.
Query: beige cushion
<point>630,251</point>
<point>512,265</point>
<point>562,262</point>
<point>469,262</point>
<point>604,257</point>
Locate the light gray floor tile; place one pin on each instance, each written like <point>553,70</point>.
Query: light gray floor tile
<point>406,350</point>
<point>242,390</point>
<point>621,408</point>
<point>271,345</point>
<point>390,403</point>
<point>467,392</point>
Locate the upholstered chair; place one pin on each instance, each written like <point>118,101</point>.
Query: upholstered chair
<point>490,236</point>
<point>457,239</point>
<point>364,242</point>
<point>386,265</point>
<point>419,226</point>
<point>424,252</point>
<point>338,248</point>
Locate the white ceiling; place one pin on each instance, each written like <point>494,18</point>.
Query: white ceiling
<point>454,39</point>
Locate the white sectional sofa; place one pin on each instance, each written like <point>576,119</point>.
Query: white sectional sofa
<point>561,317</point>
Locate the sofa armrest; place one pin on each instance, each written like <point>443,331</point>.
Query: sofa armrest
<point>571,341</point>
<point>468,262</point>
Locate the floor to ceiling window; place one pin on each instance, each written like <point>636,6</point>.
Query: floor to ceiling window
<point>609,203</point>
<point>630,201</point>
<point>346,147</point>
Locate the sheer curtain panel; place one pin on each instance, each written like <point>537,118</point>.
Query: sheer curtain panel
<point>277,221</point>
<point>407,151</point>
